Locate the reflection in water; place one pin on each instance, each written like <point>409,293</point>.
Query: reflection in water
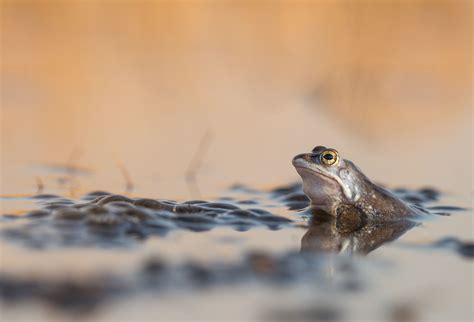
<point>99,224</point>
<point>350,233</point>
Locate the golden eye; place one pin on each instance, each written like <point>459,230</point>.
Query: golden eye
<point>329,157</point>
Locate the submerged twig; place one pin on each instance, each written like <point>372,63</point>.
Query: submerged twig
<point>196,163</point>
<point>129,185</point>
<point>72,170</point>
<point>39,185</point>
<point>69,171</point>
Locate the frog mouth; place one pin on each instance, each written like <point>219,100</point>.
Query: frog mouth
<point>301,164</point>
<point>313,171</point>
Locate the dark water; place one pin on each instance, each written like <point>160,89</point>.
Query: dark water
<point>275,242</point>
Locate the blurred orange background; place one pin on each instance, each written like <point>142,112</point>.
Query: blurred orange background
<point>131,90</point>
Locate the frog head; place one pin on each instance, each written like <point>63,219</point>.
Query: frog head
<point>328,179</point>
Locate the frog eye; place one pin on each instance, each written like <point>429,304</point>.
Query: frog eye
<point>329,157</point>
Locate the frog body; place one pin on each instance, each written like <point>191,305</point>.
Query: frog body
<point>334,184</point>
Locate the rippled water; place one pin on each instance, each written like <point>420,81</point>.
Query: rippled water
<point>244,256</point>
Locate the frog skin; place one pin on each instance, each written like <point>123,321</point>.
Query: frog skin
<point>334,185</point>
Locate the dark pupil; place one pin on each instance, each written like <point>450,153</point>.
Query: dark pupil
<point>328,156</point>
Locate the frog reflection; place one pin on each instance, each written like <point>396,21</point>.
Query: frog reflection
<point>350,232</point>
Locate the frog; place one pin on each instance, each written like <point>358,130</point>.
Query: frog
<point>338,187</point>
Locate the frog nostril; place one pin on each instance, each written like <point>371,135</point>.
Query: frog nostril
<point>314,157</point>
<point>299,156</point>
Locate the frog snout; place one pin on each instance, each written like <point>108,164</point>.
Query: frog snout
<point>301,157</point>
